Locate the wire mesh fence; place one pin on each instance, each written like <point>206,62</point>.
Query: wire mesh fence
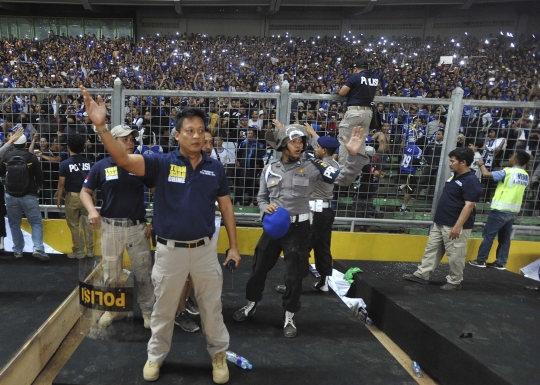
<point>407,150</point>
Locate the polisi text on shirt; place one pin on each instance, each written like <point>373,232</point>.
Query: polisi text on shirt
<point>372,82</point>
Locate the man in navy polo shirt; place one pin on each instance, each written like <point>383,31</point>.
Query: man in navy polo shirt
<point>122,223</point>
<point>453,222</point>
<point>188,183</point>
<point>360,90</point>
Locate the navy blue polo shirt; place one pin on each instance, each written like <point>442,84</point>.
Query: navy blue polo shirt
<point>363,86</point>
<point>122,192</point>
<point>457,190</point>
<point>184,207</point>
<point>74,169</point>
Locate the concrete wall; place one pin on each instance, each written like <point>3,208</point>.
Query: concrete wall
<point>382,21</point>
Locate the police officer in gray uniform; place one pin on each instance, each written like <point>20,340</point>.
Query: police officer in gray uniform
<point>360,90</point>
<point>288,183</point>
<point>323,214</point>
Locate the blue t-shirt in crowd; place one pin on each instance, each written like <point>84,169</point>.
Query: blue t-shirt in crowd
<point>410,153</point>
<point>122,191</point>
<point>458,190</point>
<point>184,208</point>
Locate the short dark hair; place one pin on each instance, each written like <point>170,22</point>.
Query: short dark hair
<point>523,157</point>
<point>462,154</point>
<point>478,143</point>
<point>76,142</point>
<point>189,113</point>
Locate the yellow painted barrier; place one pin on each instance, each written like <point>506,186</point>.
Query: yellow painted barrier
<point>345,245</point>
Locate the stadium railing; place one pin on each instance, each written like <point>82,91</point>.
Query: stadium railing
<point>370,202</point>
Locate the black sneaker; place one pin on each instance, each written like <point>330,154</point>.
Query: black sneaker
<point>450,287</point>
<point>191,307</point>
<point>41,255</point>
<point>281,289</point>
<point>414,278</point>
<point>404,210</point>
<point>244,312</point>
<point>477,263</point>
<point>186,323</point>
<point>321,285</point>
<point>289,329</point>
<point>496,265</point>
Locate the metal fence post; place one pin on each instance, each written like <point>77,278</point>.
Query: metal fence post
<point>117,104</point>
<point>451,133</point>
<point>283,113</point>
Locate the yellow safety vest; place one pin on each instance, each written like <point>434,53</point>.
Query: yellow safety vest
<point>509,193</point>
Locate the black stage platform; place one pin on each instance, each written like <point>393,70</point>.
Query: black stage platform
<point>30,291</point>
<point>486,333</point>
<point>332,346</point>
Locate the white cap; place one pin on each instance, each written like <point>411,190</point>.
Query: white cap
<point>370,151</point>
<point>21,140</point>
<point>121,131</point>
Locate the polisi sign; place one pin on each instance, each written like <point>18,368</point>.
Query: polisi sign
<point>75,167</point>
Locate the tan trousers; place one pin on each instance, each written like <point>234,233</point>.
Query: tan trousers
<point>171,269</point>
<point>456,251</point>
<point>74,211</point>
<point>351,119</point>
<point>116,236</point>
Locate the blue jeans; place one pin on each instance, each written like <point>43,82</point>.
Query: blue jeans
<point>498,223</point>
<point>28,205</point>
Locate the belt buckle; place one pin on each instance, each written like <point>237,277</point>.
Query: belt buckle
<point>189,245</point>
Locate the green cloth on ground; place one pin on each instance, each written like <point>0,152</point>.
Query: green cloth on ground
<point>350,273</point>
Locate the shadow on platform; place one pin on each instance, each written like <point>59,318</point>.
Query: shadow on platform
<point>486,333</point>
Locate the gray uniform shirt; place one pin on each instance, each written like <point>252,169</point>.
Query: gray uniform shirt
<point>323,190</point>
<point>292,186</point>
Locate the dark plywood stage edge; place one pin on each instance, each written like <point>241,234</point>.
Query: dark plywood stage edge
<point>332,346</point>
<point>30,291</point>
<point>486,333</point>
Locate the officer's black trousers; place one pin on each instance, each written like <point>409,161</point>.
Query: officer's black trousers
<point>321,235</point>
<point>295,247</point>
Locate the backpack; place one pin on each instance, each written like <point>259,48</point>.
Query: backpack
<point>17,176</point>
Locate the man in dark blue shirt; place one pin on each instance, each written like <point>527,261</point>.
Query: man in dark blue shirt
<point>122,223</point>
<point>188,183</point>
<point>72,173</point>
<point>453,222</point>
<point>360,90</point>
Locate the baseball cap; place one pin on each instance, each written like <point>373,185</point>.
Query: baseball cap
<point>121,131</point>
<point>370,150</point>
<point>85,113</point>
<point>244,117</point>
<point>361,62</point>
<point>277,224</point>
<point>22,140</point>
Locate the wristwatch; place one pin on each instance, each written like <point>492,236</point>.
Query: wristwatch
<point>105,129</point>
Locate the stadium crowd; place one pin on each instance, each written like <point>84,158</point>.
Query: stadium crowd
<point>498,68</point>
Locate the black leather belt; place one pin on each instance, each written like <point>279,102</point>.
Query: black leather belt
<point>123,222</point>
<point>185,245</point>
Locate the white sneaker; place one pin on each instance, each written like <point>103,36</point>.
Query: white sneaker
<point>147,318</point>
<point>109,317</point>
<point>289,329</point>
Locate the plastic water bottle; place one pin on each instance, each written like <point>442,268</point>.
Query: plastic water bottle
<point>416,369</point>
<point>238,360</point>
